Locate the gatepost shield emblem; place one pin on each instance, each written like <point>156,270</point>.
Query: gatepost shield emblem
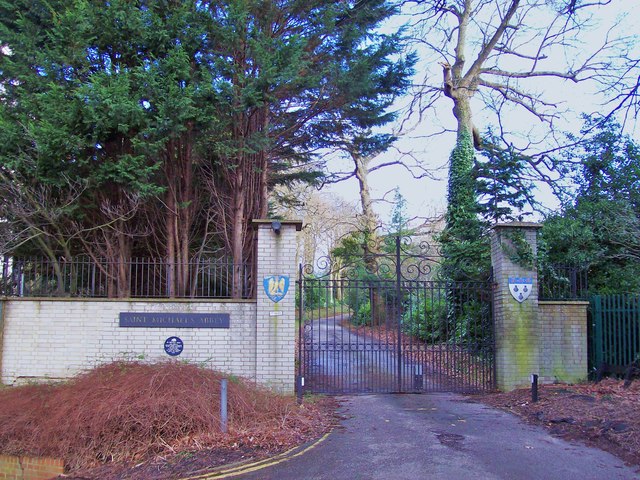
<point>520,287</point>
<point>276,287</point>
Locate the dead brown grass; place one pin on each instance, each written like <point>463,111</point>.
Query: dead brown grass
<point>128,411</point>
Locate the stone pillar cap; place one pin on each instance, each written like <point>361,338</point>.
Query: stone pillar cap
<point>256,222</point>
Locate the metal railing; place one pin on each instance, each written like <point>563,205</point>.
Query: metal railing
<point>615,331</point>
<point>133,278</point>
<point>562,282</point>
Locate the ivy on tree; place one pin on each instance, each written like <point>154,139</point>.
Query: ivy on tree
<point>464,245</point>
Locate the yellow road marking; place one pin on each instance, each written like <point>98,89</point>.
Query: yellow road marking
<point>252,467</point>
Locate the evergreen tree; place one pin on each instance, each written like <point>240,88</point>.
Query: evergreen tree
<point>399,220</point>
<point>601,229</point>
<point>177,119</point>
<point>498,189</point>
<point>503,183</point>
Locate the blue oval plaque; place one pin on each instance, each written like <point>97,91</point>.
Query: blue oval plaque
<point>173,346</point>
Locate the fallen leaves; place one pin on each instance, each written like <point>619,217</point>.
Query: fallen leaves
<point>129,411</point>
<point>603,414</point>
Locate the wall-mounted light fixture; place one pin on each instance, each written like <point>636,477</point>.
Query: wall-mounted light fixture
<point>276,226</point>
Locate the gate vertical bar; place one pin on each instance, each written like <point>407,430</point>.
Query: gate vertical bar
<point>399,313</point>
<point>598,356</point>
<point>300,381</point>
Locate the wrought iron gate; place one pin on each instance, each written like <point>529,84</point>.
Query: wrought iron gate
<point>388,323</point>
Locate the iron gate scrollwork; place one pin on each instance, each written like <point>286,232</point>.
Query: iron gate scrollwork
<point>389,322</point>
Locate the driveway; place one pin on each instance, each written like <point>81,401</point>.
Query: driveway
<point>340,361</point>
<point>440,436</point>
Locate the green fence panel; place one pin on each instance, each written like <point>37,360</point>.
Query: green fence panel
<point>615,330</point>
<point>597,350</point>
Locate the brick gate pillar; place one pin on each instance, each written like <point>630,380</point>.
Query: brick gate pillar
<point>275,323</point>
<point>517,329</point>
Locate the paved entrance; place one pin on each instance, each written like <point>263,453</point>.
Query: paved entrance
<point>441,436</point>
<point>388,322</point>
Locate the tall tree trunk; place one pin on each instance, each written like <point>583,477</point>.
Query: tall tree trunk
<point>369,220</point>
<point>124,259</point>
<point>180,203</point>
<point>461,187</point>
<point>238,228</point>
<point>170,238</point>
<point>371,245</point>
<point>248,189</point>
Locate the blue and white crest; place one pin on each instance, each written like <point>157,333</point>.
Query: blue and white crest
<point>520,287</point>
<point>276,287</point>
<point>173,346</point>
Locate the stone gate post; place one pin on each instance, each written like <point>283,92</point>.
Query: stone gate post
<point>517,329</point>
<point>276,286</point>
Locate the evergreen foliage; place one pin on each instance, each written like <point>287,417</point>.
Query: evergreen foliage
<point>399,217</point>
<point>164,126</point>
<point>601,227</point>
<point>465,246</point>
<point>426,318</point>
<point>495,187</point>
<point>503,182</point>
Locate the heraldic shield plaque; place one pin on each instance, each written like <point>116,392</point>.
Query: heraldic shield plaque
<point>276,287</point>
<point>520,287</point>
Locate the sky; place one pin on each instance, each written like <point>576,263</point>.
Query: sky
<point>426,197</point>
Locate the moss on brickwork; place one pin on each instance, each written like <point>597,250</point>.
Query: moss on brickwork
<point>525,345</point>
<point>565,344</point>
<point>32,468</point>
<point>548,338</point>
<point>558,369</point>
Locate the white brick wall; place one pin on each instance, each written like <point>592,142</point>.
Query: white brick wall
<point>275,356</point>
<point>60,337</point>
<point>57,338</point>
<point>564,341</point>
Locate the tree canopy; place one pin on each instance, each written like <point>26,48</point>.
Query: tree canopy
<point>158,128</point>
<point>510,59</point>
<point>600,229</point>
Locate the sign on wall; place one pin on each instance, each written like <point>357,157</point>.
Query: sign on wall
<point>276,287</point>
<point>174,320</point>
<point>173,346</point>
<point>520,287</point>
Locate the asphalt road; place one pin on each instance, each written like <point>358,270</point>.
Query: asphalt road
<point>441,436</point>
<point>341,361</point>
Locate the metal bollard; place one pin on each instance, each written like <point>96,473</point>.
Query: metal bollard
<point>299,388</point>
<point>534,387</point>
<point>223,406</point>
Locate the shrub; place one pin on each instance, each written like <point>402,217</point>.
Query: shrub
<point>362,315</point>
<point>425,318</point>
<point>317,294</point>
<point>470,323</point>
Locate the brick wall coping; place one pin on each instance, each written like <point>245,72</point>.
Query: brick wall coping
<point>33,468</point>
<point>267,221</point>
<point>517,225</point>
<point>129,300</point>
<point>563,302</point>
